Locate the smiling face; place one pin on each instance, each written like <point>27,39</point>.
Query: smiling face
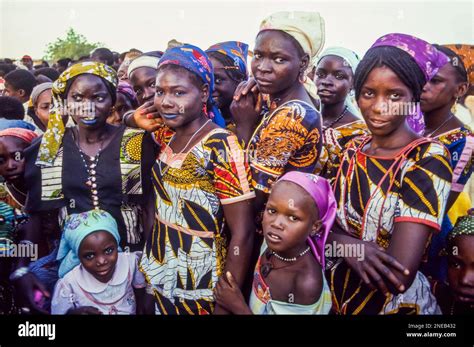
<point>143,81</point>
<point>461,268</point>
<point>441,90</point>
<point>289,218</point>
<point>42,106</point>
<point>277,62</point>
<point>179,98</point>
<point>382,101</point>
<point>12,161</point>
<point>333,79</point>
<point>224,86</point>
<point>89,101</point>
<point>98,254</point>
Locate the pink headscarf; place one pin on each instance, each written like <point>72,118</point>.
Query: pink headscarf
<point>24,134</point>
<point>321,192</point>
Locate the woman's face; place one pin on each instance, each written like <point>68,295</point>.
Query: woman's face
<point>441,90</point>
<point>333,79</point>
<point>276,64</point>
<point>12,162</point>
<point>384,101</point>
<point>461,268</point>
<point>224,86</point>
<point>89,102</point>
<point>42,106</point>
<point>178,99</point>
<point>143,81</point>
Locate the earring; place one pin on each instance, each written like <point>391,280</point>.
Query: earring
<point>454,108</point>
<point>204,108</point>
<point>352,93</point>
<point>302,77</point>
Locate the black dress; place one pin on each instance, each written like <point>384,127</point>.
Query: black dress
<point>76,195</point>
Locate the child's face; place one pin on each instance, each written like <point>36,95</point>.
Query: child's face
<point>461,268</point>
<point>289,217</point>
<point>98,254</point>
<point>12,162</point>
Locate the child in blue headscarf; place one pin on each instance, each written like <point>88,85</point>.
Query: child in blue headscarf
<point>95,276</point>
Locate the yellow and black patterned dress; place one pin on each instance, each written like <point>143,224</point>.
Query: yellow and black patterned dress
<point>185,253</point>
<point>373,194</point>
<point>287,139</point>
<point>334,143</point>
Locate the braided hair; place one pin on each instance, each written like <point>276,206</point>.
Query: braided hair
<point>400,62</point>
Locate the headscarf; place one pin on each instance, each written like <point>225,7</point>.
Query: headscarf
<point>235,50</point>
<point>53,136</point>
<point>466,53</point>
<point>21,133</point>
<point>305,27</point>
<point>38,90</point>
<point>196,61</point>
<point>127,90</point>
<point>142,61</point>
<point>15,123</point>
<point>352,59</point>
<point>321,192</point>
<point>76,228</point>
<point>464,226</point>
<point>426,56</point>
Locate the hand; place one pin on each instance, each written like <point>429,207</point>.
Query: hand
<point>376,269</point>
<point>246,87</point>
<point>84,310</point>
<point>146,304</point>
<point>228,295</point>
<point>25,287</point>
<point>146,117</point>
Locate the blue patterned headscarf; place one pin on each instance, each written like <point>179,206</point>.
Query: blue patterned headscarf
<point>76,228</point>
<point>235,50</point>
<point>196,61</point>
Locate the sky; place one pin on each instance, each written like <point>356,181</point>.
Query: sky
<point>27,26</point>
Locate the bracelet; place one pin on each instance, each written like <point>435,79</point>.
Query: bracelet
<point>126,116</point>
<point>18,273</point>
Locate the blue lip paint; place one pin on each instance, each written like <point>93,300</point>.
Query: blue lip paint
<point>170,116</point>
<point>89,122</point>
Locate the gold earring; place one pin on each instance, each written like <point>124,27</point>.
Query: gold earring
<point>454,108</point>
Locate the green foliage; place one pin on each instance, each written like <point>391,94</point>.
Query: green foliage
<point>73,46</point>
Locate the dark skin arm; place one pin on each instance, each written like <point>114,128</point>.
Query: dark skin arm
<point>240,219</point>
<point>229,296</point>
<point>25,285</point>
<point>391,270</point>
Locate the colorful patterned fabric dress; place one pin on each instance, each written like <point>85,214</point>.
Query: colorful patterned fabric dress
<point>373,194</point>
<point>185,253</point>
<point>287,139</point>
<point>334,143</point>
<point>460,144</point>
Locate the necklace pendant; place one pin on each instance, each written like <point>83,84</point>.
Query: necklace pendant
<point>265,269</point>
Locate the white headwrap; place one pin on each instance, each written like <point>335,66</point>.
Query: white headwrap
<point>143,61</point>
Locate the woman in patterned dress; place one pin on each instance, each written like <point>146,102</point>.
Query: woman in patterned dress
<point>391,187</point>
<point>202,195</point>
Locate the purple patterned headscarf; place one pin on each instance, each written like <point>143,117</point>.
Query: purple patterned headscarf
<point>127,90</point>
<point>321,192</point>
<point>426,56</point>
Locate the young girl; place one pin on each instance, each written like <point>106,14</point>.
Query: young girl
<point>457,297</point>
<point>391,187</point>
<point>202,193</point>
<point>438,99</point>
<point>95,277</point>
<point>287,280</point>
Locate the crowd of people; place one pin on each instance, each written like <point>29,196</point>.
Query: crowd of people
<point>290,179</point>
